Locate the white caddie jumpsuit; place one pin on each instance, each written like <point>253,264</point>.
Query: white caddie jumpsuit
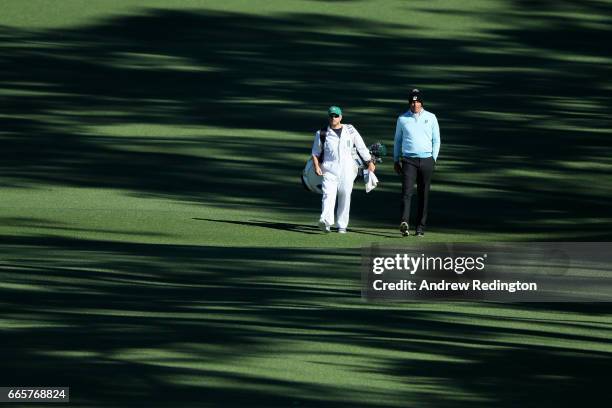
<point>339,171</point>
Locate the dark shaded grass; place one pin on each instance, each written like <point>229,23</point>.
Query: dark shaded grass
<point>251,60</point>
<point>106,298</point>
<point>94,290</point>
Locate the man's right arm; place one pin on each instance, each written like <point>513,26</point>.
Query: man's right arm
<point>317,165</point>
<point>316,152</point>
<point>397,147</point>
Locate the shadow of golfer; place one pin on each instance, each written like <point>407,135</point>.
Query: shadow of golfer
<point>285,226</point>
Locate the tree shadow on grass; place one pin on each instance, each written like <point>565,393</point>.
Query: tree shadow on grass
<point>505,121</point>
<point>187,325</point>
<point>128,323</point>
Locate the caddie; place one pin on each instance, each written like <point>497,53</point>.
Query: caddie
<point>332,156</point>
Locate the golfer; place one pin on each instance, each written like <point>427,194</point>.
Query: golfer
<point>415,151</point>
<point>338,167</point>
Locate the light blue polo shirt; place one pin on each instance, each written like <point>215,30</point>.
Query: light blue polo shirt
<point>416,136</point>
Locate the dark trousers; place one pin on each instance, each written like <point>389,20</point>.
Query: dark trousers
<point>420,171</point>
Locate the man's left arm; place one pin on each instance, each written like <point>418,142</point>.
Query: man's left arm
<point>435,140</point>
<point>363,150</point>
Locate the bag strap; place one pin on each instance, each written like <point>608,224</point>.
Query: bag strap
<point>322,136</point>
<point>352,130</point>
<point>358,154</point>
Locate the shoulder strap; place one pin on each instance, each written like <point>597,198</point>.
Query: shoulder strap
<point>358,154</point>
<point>352,131</point>
<point>322,136</point>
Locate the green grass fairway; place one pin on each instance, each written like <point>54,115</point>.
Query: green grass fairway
<point>158,249</point>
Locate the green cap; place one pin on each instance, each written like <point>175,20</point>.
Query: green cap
<point>334,109</point>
